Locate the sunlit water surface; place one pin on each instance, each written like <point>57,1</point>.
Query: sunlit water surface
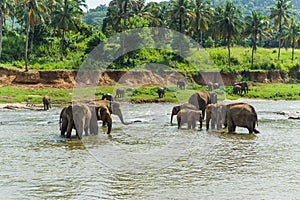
<point>150,159</point>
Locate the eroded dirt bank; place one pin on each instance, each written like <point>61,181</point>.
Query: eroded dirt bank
<point>66,79</point>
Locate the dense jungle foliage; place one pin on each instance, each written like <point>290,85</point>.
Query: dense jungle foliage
<point>238,35</point>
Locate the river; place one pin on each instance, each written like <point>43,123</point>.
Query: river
<point>150,159</point>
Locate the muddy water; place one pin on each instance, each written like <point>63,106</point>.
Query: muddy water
<point>150,159</point>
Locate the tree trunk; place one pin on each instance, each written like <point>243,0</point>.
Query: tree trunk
<point>228,47</point>
<point>279,45</point>
<point>252,58</point>
<point>1,27</point>
<point>62,45</point>
<point>293,50</point>
<point>26,48</point>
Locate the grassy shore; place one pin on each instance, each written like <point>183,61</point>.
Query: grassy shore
<point>61,97</point>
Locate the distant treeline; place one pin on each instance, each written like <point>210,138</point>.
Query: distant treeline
<point>41,32</point>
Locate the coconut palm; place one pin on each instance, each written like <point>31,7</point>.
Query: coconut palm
<point>179,13</point>
<point>31,12</point>
<point>281,13</point>
<point>291,35</point>
<point>5,7</point>
<point>202,13</point>
<point>230,24</point>
<point>256,25</point>
<point>66,17</point>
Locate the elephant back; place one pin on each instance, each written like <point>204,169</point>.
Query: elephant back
<point>199,99</point>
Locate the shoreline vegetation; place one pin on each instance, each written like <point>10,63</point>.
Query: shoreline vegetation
<point>14,97</point>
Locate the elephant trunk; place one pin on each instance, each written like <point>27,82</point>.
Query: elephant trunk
<point>171,118</point>
<point>122,120</point>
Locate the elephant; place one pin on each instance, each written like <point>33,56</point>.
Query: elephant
<point>216,85</point>
<point>181,84</point>
<point>237,89</point>
<point>176,109</point>
<point>113,107</point>
<point>120,93</point>
<point>46,102</point>
<point>244,86</point>
<point>80,117</point>
<point>216,113</point>
<point>201,99</point>
<point>104,114</point>
<point>210,86</point>
<point>108,97</point>
<point>190,117</point>
<point>161,92</point>
<point>242,115</point>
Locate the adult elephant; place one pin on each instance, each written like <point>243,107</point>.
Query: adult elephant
<point>104,114</point>
<point>242,115</point>
<point>201,99</point>
<point>190,117</point>
<point>237,89</point>
<point>244,86</point>
<point>181,84</point>
<point>113,107</point>
<point>176,109</point>
<point>120,93</point>
<point>108,97</point>
<point>215,113</point>
<point>46,102</point>
<point>161,92</point>
<point>80,117</point>
<point>210,86</point>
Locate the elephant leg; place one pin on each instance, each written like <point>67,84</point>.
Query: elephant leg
<point>63,128</point>
<point>203,113</point>
<point>200,124</point>
<point>207,122</point>
<point>69,129</point>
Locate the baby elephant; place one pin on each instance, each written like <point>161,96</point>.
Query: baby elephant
<point>46,102</point>
<point>190,117</point>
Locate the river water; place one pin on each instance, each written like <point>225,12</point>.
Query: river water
<point>150,159</point>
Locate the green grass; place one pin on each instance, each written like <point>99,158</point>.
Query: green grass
<point>61,97</point>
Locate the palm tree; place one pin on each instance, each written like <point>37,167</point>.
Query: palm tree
<point>32,12</point>
<point>179,12</point>
<point>281,13</point>
<point>202,12</point>
<point>66,17</point>
<point>291,35</point>
<point>256,26</point>
<point>5,7</point>
<point>230,24</point>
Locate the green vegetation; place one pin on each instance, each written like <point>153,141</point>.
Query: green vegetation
<point>61,97</point>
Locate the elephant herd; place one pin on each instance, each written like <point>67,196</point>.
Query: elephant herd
<point>84,116</point>
<point>205,103</point>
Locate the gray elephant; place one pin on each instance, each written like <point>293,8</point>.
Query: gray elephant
<point>242,115</point>
<point>216,85</point>
<point>210,86</point>
<point>190,117</point>
<point>201,99</point>
<point>161,92</point>
<point>176,109</point>
<point>244,86</point>
<point>216,113</point>
<point>114,108</point>
<point>46,102</point>
<point>237,89</point>
<point>120,93</point>
<point>104,114</point>
<point>108,97</point>
<point>181,84</point>
<point>80,117</point>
